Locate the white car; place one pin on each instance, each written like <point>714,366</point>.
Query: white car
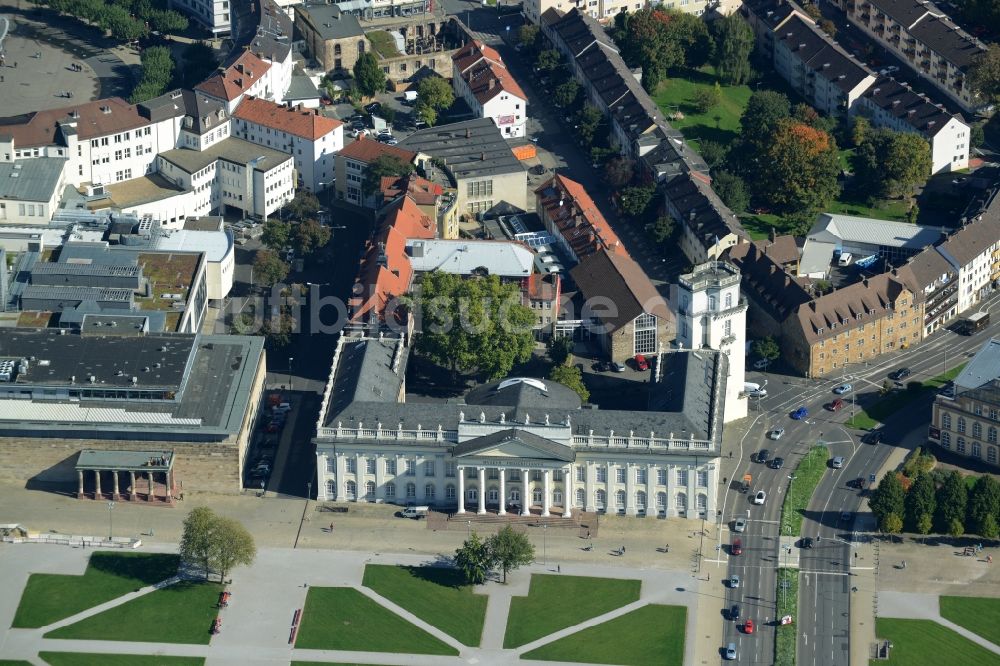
<point>760,497</point>
<point>740,525</point>
<point>777,433</point>
<point>843,388</point>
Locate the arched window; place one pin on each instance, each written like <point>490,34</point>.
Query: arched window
<point>449,491</point>
<point>991,454</point>
<point>472,495</point>
<point>352,490</point>
<point>336,50</point>
<point>977,430</point>
<point>640,501</point>
<point>961,424</point>
<point>946,440</point>
<point>960,445</point>
<point>581,497</point>
<point>946,421</point>
<point>370,491</point>
<point>681,502</point>
<point>661,502</point>
<point>536,496</point>
<point>976,450</point>
<point>492,495</point>
<point>620,500</point>
<point>729,301</point>
<point>331,489</point>
<point>515,495</point>
<point>702,502</point>
<point>991,435</point>
<point>361,46</point>
<point>601,500</point>
<point>429,491</point>
<point>411,491</point>
<point>557,497</point>
<point>390,489</point>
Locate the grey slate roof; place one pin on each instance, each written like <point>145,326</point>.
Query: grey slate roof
<point>329,22</point>
<point>820,55</point>
<point>524,393</point>
<point>975,237</point>
<point>31,180</point>
<point>546,447</point>
<point>471,148</point>
<point>232,150</point>
<point>206,113</point>
<point>931,26</point>
<point>915,110</point>
<point>982,369</point>
<point>301,88</point>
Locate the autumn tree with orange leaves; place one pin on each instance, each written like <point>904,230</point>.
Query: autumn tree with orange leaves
<point>799,170</point>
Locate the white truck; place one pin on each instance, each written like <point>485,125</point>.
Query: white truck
<point>415,512</point>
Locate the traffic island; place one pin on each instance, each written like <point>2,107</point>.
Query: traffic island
<point>787,607</point>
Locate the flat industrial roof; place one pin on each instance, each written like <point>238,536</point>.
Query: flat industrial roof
<point>464,257</point>
<point>31,180</point>
<point>470,149</point>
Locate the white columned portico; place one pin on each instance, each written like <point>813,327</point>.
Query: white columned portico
<point>568,493</point>
<point>341,477</point>
<point>630,507</point>
<point>589,487</point>
<point>503,492</point>
<point>525,494</point>
<point>547,492</point>
<point>482,490</point>
<point>379,477</point>
<point>651,508</point>
<point>461,489</point>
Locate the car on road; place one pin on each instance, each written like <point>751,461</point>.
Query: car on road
<point>763,455</point>
<point>731,652</point>
<point>757,393</point>
<point>748,627</point>
<point>601,366</point>
<point>760,364</point>
<point>760,497</point>
<point>836,405</point>
<point>737,547</point>
<point>776,433</point>
<point>873,437</point>
<point>740,525</point>
<point>856,483</point>
<point>800,413</point>
<point>902,373</point>
<point>777,463</point>
<point>806,543</point>
<point>837,462</point>
<point>619,367</point>
<point>641,362</point>
<point>734,581</point>
<point>843,388</point>
<point>734,612</point>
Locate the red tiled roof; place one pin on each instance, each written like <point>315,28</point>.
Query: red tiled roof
<point>98,118</point>
<point>385,275</point>
<point>577,219</point>
<point>472,53</point>
<point>483,71</point>
<point>236,79</point>
<point>421,190</point>
<point>542,287</point>
<point>410,222</point>
<point>369,150</point>
<point>305,123</point>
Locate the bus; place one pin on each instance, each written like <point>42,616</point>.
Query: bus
<point>974,323</point>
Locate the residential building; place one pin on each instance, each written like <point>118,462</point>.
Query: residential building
<point>929,271</point>
<point>235,173</point>
<point>710,313</point>
<point>707,226</point>
<point>889,103</point>
<point>199,120</point>
<point>386,274</point>
<point>248,76</point>
<point>627,315</point>
<point>519,445</point>
<point>964,419</point>
<point>30,190</point>
<point>974,253</point>
<point>542,293</point>
<point>478,162</point>
<point>432,199</point>
<point>214,15</point>
<point>481,79</point>
<point>310,138</point>
<point>114,388</point>
<point>352,169</point>
<point>922,35</point>
<point>606,10</point>
<point>573,219</point>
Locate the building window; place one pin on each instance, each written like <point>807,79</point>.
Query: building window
<point>331,488</point>
<point>702,479</point>
<point>390,466</point>
<point>620,475</point>
<point>702,503</point>
<point>960,445</point>
<point>390,489</point>
<point>411,467</point>
<point>471,473</point>
<point>352,466</point>
<point>429,491</point>
<point>661,477</point>
<point>977,430</point>
<point>581,473</point>
<point>352,490</point>
<point>449,469</point>
<point>946,440</point>
<point>602,474</point>
<point>492,474</point>
<point>681,502</point>
<point>600,500</point>
<point>991,454</point>
<point>946,421</point>
<point>640,501</point>
<point>640,475</point>
<point>331,466</point>
<point>429,468</point>
<point>976,450</point>
<point>479,188</point>
<point>991,435</point>
<point>645,334</point>
<point>682,477</point>
<point>370,465</point>
<point>581,497</point>
<point>961,424</point>
<point>411,490</point>
<point>449,492</point>
<point>370,491</point>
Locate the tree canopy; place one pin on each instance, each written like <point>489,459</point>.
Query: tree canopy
<point>892,164</point>
<point>984,74</point>
<point>157,73</point>
<point>659,40</point>
<point>434,94</point>
<point>384,165</point>
<point>802,169</point>
<point>473,324</point>
<point>474,559</point>
<point>734,41</point>
<point>309,236</point>
<point>952,501</point>
<point>766,348</point>
<point>887,498</point>
<point>276,234</point>
<point>304,206</point>
<point>268,268</point>
<point>510,550</point>
<point>215,543</point>
<point>368,75</point>
<point>571,377</point>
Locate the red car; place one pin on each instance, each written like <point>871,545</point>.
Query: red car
<point>836,405</point>
<point>641,362</point>
<point>737,547</point>
<point>748,627</point>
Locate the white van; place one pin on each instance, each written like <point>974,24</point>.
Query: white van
<point>410,96</point>
<point>845,259</point>
<point>416,512</point>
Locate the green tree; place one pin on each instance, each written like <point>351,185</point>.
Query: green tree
<point>956,528</point>
<point>278,329</point>
<point>510,550</point>
<point>570,377</point>
<point>984,502</point>
<point>663,229</point>
<point>619,171</point>
<point>924,524</point>
<point>802,172</point>
<point>426,113</point>
<point>588,121</point>
<point>475,324</point>
<point>659,40</point>
<point>268,268</point>
<point>309,236</point>
<point>952,501</point>
<point>983,76</point>
<point>196,538</point>
<point>527,34</point>
<point>887,498</point>
<point>891,524</point>
<point>368,75</point>
<point>474,559</point>
<point>766,348</point>
<point>705,99</point>
<point>384,165</point>
<point>893,164</point>
<point>764,110</point>
<point>977,135</point>
<point>635,200</point>
<point>812,10</point>
<point>435,92</point>
<point>989,529</point>
<point>547,60</point>
<point>732,190</point>
<point>566,93</point>
<point>713,152</point>
<point>200,61</point>
<point>232,546</point>
<point>919,502</point>
<point>157,71</point>
<point>734,41</point>
<point>860,127</point>
<point>276,234</point>
<point>304,206</point>
<point>560,350</point>
<point>829,27</point>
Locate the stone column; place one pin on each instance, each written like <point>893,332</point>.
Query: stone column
<point>692,492</point>
<point>97,482</point>
<point>460,471</point>
<point>503,492</point>
<point>671,489</point>
<point>568,497</point>
<point>546,492</point>
<point>651,508</point>
<point>525,494</point>
<point>341,466</point>
<point>379,477</point>
<point>630,507</point>
<point>131,486</point>
<point>482,490</point>
<point>114,485</point>
<point>167,480</point>
<point>149,497</point>
<point>359,477</point>
<point>79,492</point>
<point>589,486</point>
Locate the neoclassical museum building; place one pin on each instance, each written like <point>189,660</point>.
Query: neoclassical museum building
<point>528,441</point>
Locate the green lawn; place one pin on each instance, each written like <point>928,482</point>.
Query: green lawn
<point>95,659</point>
<point>884,407</point>
<point>545,611</point>
<point>927,643</point>
<point>180,613</point>
<point>807,475</point>
<point>436,595</point>
<point>48,598</point>
<point>788,604</point>
<point>652,635</point>
<point>759,225</point>
<point>721,124</point>
<point>383,43</point>
<point>341,618</point>
<point>977,614</point>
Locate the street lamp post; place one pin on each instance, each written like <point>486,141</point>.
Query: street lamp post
<point>290,359</point>
<point>111,524</point>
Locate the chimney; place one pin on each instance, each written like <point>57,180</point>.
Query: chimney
<point>468,132</point>
<point>493,84</point>
<point>482,157</point>
<point>239,68</point>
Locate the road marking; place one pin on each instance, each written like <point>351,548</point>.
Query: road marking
<point>827,573</point>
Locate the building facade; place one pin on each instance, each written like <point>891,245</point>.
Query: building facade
<point>517,446</point>
<point>974,253</point>
<point>352,169</point>
<point>711,313</point>
<point>214,15</point>
<point>480,77</point>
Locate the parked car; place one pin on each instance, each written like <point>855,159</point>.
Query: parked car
<point>778,463</point>
<point>730,652</point>
<point>837,462</point>
<point>757,393</point>
<point>737,547</point>
<point>800,413</point>
<point>856,483</point>
<point>873,437</point>
<point>760,497</point>
<point>806,543</point>
<point>842,389</point>
<point>619,367</point>
<point>373,108</point>
<point>902,373</point>
<point>734,612</point>
<point>600,366</point>
<point>641,362</point>
<point>776,433</point>
<point>734,581</point>
<point>763,455</point>
<point>740,525</point>
<point>836,405</point>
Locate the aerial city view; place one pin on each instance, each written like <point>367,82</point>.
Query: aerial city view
<point>492,332</point>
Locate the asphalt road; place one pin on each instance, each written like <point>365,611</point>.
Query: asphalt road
<point>824,589</point>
